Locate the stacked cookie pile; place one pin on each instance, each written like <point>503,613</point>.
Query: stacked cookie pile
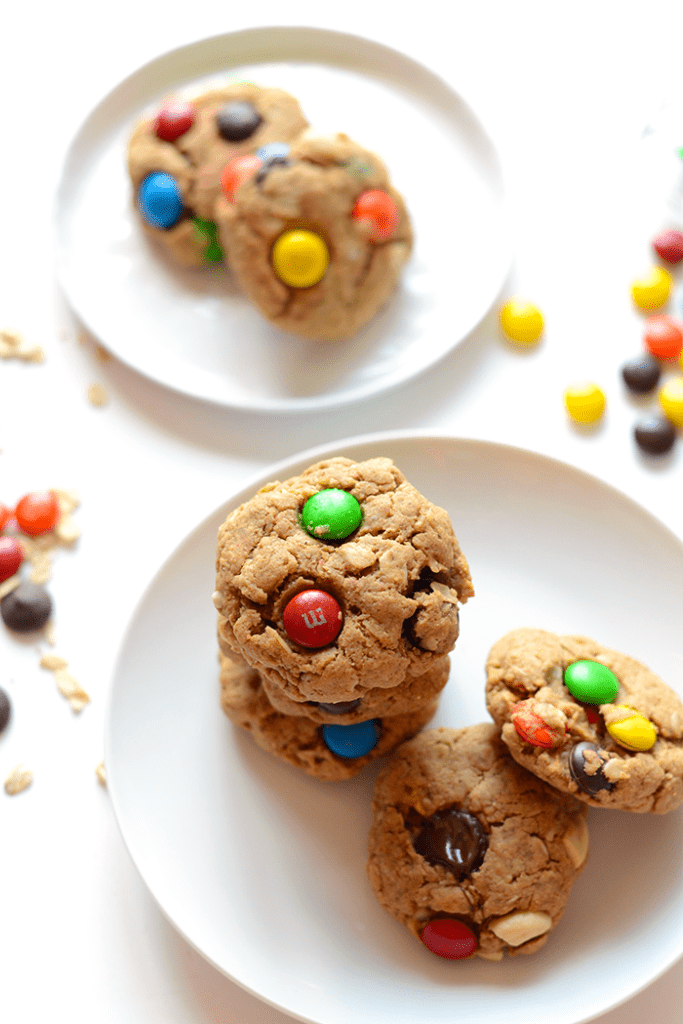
<point>338,594</point>
<point>310,225</point>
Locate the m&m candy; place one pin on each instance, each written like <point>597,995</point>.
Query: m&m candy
<point>586,765</point>
<point>533,729</point>
<point>663,336</point>
<point>238,170</point>
<point>5,515</point>
<point>632,731</point>
<point>5,710</point>
<point>641,374</point>
<point>312,618</point>
<point>174,119</point>
<point>655,435</point>
<point>671,400</point>
<point>669,245</point>
<point>10,557</point>
<point>522,321</point>
<point>591,682</point>
<point>159,200</point>
<point>37,512</point>
<point>331,514</point>
<point>213,252</point>
<point>26,608</point>
<point>353,740</point>
<point>237,121</point>
<point>585,403</point>
<point>380,211</point>
<point>449,938</point>
<point>300,258</point>
<point>652,290</point>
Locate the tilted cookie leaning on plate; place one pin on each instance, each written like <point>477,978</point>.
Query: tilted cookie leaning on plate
<point>338,594</point>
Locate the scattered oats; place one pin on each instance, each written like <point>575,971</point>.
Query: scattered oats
<point>13,346</point>
<point>68,501</point>
<point>101,775</point>
<point>71,689</point>
<point>41,569</point>
<point>53,662</point>
<point>49,633</point>
<point>19,778</point>
<point>9,585</point>
<point>97,395</point>
<point>11,340</point>
<point>66,530</point>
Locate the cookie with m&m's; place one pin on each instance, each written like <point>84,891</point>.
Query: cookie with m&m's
<point>590,721</point>
<point>317,236</point>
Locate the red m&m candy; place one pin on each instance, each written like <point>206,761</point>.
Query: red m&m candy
<point>449,938</point>
<point>663,336</point>
<point>10,557</point>
<point>669,245</point>
<point>174,119</point>
<point>238,170</point>
<point>312,618</point>
<point>37,512</point>
<point>380,210</point>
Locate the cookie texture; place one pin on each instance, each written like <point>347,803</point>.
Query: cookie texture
<point>298,739</point>
<point>525,675</point>
<point>316,189</point>
<point>196,158</point>
<point>505,869</point>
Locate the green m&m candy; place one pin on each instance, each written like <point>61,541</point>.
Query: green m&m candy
<point>331,514</point>
<point>591,682</point>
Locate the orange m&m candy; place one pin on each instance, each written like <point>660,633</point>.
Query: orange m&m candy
<point>37,512</point>
<point>237,171</point>
<point>663,336</point>
<point>380,210</point>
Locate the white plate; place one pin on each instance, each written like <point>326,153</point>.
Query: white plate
<point>191,329</point>
<point>262,868</point>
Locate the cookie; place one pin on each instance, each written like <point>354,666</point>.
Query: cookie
<point>177,156</point>
<point>300,740</point>
<point>590,721</point>
<point>397,580</point>
<point>317,237</point>
<point>472,854</point>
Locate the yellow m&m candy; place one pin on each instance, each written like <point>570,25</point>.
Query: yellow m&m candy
<point>652,290</point>
<point>634,731</point>
<point>300,258</point>
<point>585,403</point>
<point>521,321</point>
<point>671,400</point>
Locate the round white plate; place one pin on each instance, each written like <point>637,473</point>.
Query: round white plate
<point>192,330</point>
<point>262,868</point>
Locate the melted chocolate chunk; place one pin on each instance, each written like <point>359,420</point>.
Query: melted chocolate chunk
<point>454,839</point>
<point>26,608</point>
<point>591,782</point>
<point>238,121</point>
<point>342,707</point>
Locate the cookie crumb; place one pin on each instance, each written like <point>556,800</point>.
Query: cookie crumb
<point>101,774</point>
<point>18,779</point>
<point>97,395</point>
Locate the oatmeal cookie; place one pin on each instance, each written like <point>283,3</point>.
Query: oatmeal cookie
<point>472,854</point>
<point>590,721</point>
<point>317,237</point>
<point>176,159</point>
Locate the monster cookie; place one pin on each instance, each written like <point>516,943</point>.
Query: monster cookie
<point>588,720</point>
<point>467,850</point>
<point>177,156</point>
<point>340,588</point>
<point>315,234</point>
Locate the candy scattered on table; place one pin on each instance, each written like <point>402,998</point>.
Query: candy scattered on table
<point>631,729</point>
<point>353,740</point>
<point>591,682</point>
<point>160,201</point>
<point>449,938</point>
<point>27,608</point>
<point>655,435</point>
<point>312,618</point>
<point>5,710</point>
<point>66,684</point>
<point>585,402</point>
<point>174,119</point>
<point>331,514</point>
<point>641,374</point>
<point>300,258</point>
<point>669,245</point>
<point>663,336</point>
<point>37,512</point>
<point>652,290</point>
<point>380,211</point>
<point>238,120</point>
<point>671,400</point>
<point>522,321</point>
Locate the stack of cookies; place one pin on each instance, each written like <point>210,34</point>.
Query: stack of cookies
<point>338,595</point>
<point>311,226</point>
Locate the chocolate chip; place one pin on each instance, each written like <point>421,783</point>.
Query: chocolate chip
<point>641,374</point>
<point>454,839</point>
<point>26,608</point>
<point>238,120</point>
<point>655,435</point>
<point>342,707</point>
<point>5,710</point>
<point>588,773</point>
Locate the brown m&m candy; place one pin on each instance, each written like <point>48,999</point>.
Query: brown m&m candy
<point>455,839</point>
<point>586,764</point>
<point>238,120</point>
<point>26,608</point>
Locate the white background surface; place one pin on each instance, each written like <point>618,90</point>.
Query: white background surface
<point>566,97</point>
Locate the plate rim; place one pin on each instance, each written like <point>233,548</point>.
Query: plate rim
<point>382,384</point>
<point>272,471</point>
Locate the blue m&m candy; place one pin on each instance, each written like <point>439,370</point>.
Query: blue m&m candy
<point>159,200</point>
<point>351,740</point>
<point>273,151</point>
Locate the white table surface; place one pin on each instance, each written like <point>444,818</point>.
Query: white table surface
<point>566,97</point>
